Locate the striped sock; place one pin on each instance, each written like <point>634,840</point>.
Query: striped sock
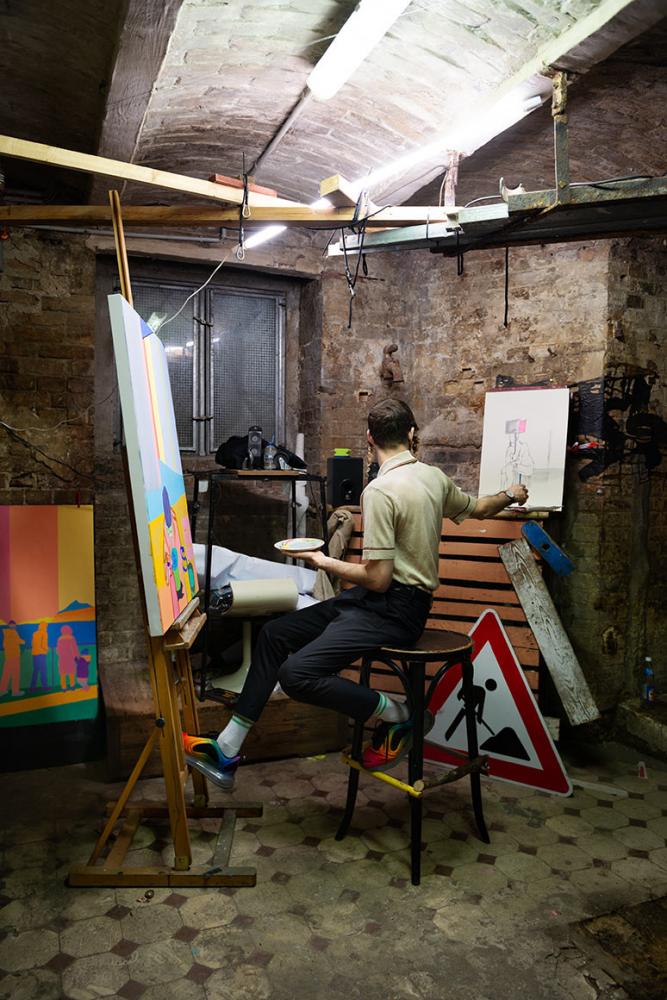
<point>232,736</point>
<point>391,711</point>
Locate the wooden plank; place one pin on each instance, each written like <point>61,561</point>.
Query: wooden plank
<point>284,213</point>
<point>160,875</point>
<point>490,527</point>
<point>478,549</point>
<point>457,592</point>
<point>124,839</point>
<point>339,191</point>
<point>520,638</point>
<point>237,182</point>
<point>483,550</point>
<point>553,641</point>
<point>452,570</point>
<point>223,847</point>
<point>101,165</point>
<point>473,609</point>
<point>460,569</point>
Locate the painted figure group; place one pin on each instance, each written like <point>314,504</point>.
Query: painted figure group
<point>73,664</point>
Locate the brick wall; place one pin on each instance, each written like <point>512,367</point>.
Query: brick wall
<point>574,311</point>
<point>47,327</point>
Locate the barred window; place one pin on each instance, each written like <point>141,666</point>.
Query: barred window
<point>225,352</point>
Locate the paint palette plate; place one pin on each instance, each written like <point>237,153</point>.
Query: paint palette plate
<point>292,546</point>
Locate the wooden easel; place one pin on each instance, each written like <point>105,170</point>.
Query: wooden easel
<point>174,698</point>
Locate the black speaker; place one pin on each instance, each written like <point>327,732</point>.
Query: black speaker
<point>344,480</point>
<point>255,447</point>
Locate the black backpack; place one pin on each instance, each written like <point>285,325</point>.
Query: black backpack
<point>233,454</point>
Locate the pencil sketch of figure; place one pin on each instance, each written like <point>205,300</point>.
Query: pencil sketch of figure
<point>518,464</point>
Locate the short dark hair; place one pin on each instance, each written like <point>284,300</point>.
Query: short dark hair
<point>390,422</point>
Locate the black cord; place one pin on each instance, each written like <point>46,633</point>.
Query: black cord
<point>459,255</point>
<point>360,229</point>
<point>507,285</point>
<point>243,211</point>
<point>51,458</point>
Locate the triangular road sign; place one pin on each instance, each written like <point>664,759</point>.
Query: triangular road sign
<point>510,728</point>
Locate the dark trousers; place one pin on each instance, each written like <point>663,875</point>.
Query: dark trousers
<point>304,651</point>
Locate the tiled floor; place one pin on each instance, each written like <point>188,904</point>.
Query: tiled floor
<point>327,919</point>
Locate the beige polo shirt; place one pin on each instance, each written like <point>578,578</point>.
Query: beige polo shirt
<point>403,510</point>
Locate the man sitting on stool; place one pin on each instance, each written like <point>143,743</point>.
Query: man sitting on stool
<point>388,605</point>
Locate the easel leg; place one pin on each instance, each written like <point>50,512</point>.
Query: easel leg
<point>171,750</point>
<point>124,796</point>
<point>190,718</point>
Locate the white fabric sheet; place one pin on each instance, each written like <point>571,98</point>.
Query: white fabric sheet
<point>227,565</point>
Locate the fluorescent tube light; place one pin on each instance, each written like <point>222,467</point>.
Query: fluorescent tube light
<point>360,33</point>
<point>479,130</point>
<point>262,235</point>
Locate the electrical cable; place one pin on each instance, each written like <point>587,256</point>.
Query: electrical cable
<point>613,180</point>
<point>485,197</point>
<point>507,286</point>
<point>352,280</point>
<point>442,188</point>
<point>51,458</point>
<point>196,292</point>
<point>67,420</point>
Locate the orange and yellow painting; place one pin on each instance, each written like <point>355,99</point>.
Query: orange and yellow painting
<point>154,461</point>
<point>48,645</point>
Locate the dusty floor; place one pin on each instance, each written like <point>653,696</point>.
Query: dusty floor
<point>335,920</point>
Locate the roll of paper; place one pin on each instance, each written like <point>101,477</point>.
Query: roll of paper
<point>262,597</point>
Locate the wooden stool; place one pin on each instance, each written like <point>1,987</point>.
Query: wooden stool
<point>409,665</point>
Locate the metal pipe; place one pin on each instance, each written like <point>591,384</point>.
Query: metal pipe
<point>298,109</point>
<point>87,231</point>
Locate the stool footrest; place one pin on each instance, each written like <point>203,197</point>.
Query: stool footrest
<point>383,776</point>
<point>471,767</point>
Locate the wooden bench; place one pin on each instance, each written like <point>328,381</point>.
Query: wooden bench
<point>472,579</point>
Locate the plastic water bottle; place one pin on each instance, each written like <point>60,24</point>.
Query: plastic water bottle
<point>270,455</point>
<point>648,686</point>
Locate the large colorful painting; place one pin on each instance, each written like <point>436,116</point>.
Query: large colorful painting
<point>156,475</point>
<point>523,441</point>
<point>48,647</point>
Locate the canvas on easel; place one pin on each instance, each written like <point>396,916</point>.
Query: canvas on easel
<point>524,441</point>
<point>165,564</point>
<point>160,507</point>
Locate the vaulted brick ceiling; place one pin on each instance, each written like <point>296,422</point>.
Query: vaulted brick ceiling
<point>213,79</point>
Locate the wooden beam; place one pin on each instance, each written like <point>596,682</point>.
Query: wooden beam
<point>552,639</point>
<point>204,215</point>
<point>142,46</point>
<point>339,191</point>
<point>237,182</point>
<point>100,165</point>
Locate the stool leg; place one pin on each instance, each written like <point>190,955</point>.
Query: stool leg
<point>471,731</point>
<point>416,672</point>
<point>355,753</point>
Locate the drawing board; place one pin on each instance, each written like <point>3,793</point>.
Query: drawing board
<point>524,441</point>
<point>156,475</point>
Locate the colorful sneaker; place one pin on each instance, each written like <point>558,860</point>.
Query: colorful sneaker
<point>206,756</point>
<point>391,742</point>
